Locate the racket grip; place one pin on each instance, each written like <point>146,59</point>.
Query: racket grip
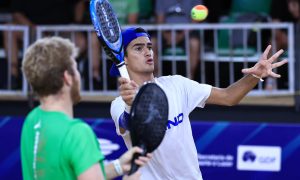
<point>123,71</point>
<point>135,167</point>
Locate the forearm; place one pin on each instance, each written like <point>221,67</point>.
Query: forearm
<point>110,171</point>
<point>238,90</point>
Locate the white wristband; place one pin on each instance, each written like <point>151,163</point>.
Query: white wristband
<point>261,80</point>
<point>118,167</point>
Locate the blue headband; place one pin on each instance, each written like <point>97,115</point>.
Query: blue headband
<point>128,35</point>
<point>131,34</point>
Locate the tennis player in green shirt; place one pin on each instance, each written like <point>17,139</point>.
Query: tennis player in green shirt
<point>54,145</point>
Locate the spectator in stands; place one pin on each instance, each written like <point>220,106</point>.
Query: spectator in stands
<point>217,9</point>
<point>246,11</point>
<point>5,17</point>
<point>176,12</point>
<point>251,11</point>
<point>279,13</point>
<point>294,9</point>
<point>146,12</point>
<point>216,13</point>
<point>32,13</point>
<point>82,16</point>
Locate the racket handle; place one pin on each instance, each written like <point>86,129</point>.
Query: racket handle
<point>135,167</point>
<point>123,71</point>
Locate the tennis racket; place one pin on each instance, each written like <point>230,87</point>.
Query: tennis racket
<point>109,32</point>
<point>148,120</point>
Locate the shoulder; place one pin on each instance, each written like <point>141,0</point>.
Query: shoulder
<point>79,127</point>
<point>32,117</point>
<point>182,83</point>
<point>33,113</point>
<point>172,80</point>
<point>79,131</point>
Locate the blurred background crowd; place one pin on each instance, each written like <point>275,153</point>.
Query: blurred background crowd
<point>33,13</point>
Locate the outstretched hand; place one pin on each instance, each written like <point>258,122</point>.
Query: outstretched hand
<point>263,68</point>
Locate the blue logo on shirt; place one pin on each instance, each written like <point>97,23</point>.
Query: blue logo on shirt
<point>177,120</point>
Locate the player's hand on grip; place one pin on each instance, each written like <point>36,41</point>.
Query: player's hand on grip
<point>134,176</point>
<point>128,90</point>
<point>125,159</point>
<point>263,68</point>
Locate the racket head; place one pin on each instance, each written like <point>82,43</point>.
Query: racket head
<point>107,29</point>
<point>149,117</point>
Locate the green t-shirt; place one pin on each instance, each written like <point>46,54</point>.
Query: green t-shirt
<point>55,146</point>
<point>123,8</point>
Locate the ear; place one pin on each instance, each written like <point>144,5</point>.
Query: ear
<point>68,78</point>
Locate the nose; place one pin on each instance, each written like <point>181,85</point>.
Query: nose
<point>147,52</point>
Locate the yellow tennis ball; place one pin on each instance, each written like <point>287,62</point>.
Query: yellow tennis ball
<point>199,13</point>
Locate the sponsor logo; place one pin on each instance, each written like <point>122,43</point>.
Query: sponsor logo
<point>259,158</point>
<point>177,120</point>
<point>216,160</point>
<point>107,146</point>
<point>249,156</point>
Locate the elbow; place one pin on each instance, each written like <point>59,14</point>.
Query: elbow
<point>231,102</point>
<point>232,99</point>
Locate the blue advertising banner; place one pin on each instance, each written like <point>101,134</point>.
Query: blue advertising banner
<point>230,150</point>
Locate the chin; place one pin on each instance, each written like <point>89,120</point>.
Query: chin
<point>150,69</point>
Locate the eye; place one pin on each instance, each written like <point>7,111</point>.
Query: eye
<point>139,48</point>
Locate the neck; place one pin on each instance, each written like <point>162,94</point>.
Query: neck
<point>59,102</point>
<point>140,79</point>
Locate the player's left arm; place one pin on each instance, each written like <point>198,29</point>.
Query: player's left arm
<point>234,93</point>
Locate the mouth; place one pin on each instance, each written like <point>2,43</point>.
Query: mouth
<point>150,61</point>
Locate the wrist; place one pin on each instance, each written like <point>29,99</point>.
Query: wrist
<point>260,78</point>
<point>118,167</point>
<point>127,108</point>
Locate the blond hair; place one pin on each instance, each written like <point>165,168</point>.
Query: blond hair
<point>45,62</point>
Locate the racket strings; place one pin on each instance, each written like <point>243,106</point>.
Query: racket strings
<point>150,118</point>
<point>109,24</point>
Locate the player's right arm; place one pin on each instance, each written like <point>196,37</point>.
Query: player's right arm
<point>120,110</point>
